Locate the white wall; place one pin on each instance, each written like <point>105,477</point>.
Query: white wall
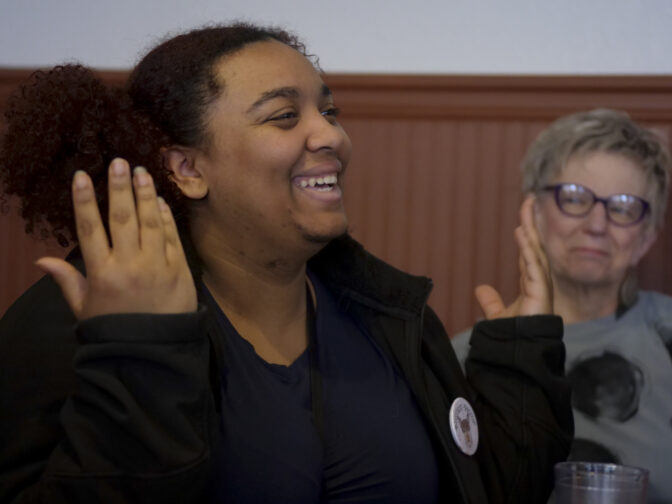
<point>370,36</point>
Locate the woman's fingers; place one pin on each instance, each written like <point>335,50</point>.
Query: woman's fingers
<point>174,250</point>
<point>150,222</point>
<point>135,220</point>
<point>72,282</point>
<point>123,218</point>
<point>90,231</point>
<point>529,228</point>
<point>535,283</point>
<point>529,265</point>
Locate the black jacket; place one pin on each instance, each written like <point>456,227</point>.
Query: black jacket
<point>123,408</point>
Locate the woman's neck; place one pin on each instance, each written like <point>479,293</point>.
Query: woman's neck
<point>580,303</point>
<point>262,294</point>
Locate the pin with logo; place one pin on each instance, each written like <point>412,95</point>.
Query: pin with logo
<point>463,426</point>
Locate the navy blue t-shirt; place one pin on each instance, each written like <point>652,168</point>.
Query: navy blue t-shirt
<point>375,447</point>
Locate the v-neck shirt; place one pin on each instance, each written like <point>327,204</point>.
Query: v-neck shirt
<point>375,447</point>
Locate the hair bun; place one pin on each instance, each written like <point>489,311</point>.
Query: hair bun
<point>54,126</point>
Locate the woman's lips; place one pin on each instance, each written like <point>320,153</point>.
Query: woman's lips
<point>590,251</point>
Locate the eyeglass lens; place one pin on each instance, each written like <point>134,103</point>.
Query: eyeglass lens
<point>577,200</point>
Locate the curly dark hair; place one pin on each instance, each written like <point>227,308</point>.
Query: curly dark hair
<point>65,119</point>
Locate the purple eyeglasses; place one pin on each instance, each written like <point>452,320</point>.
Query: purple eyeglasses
<point>576,200</point>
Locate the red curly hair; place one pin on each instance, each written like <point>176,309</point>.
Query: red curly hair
<point>65,119</point>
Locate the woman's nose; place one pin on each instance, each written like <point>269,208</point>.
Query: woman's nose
<point>326,133</point>
<point>597,220</point>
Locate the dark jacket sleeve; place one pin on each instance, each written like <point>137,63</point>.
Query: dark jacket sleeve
<point>113,409</point>
<point>515,383</point>
<point>516,370</point>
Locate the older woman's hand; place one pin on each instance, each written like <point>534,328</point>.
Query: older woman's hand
<point>143,270</point>
<point>536,293</point>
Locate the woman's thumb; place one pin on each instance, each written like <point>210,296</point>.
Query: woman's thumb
<point>490,301</point>
<point>72,282</point>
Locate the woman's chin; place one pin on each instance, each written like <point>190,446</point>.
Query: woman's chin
<point>594,279</point>
<point>323,234</point>
<point>323,238</point>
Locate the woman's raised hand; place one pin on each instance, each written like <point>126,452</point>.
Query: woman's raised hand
<point>536,291</point>
<point>143,270</point>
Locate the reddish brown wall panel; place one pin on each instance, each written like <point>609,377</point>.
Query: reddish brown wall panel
<point>433,186</point>
<point>437,198</point>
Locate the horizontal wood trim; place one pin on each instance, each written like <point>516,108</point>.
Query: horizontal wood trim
<point>499,98</point>
<point>469,96</point>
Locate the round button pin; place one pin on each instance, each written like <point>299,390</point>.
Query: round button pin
<point>463,426</point>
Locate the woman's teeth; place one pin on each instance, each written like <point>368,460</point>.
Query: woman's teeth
<point>319,182</point>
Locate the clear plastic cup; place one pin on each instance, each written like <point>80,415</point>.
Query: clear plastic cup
<point>596,483</point>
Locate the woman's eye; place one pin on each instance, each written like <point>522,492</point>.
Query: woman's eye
<point>285,116</point>
<point>331,113</point>
<point>572,199</point>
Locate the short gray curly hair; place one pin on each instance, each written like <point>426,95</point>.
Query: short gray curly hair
<point>600,130</point>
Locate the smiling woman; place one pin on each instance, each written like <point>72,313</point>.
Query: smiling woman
<point>615,335</point>
<point>602,182</point>
<point>217,336</point>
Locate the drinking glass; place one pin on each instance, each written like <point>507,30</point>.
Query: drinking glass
<point>597,483</point>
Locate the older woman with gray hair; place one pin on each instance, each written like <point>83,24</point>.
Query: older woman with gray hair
<point>601,182</point>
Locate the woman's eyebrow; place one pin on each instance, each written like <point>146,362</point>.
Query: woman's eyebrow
<point>282,92</point>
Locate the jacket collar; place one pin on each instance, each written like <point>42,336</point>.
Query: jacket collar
<point>344,265</point>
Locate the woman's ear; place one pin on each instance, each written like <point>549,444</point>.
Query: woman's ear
<point>181,161</point>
